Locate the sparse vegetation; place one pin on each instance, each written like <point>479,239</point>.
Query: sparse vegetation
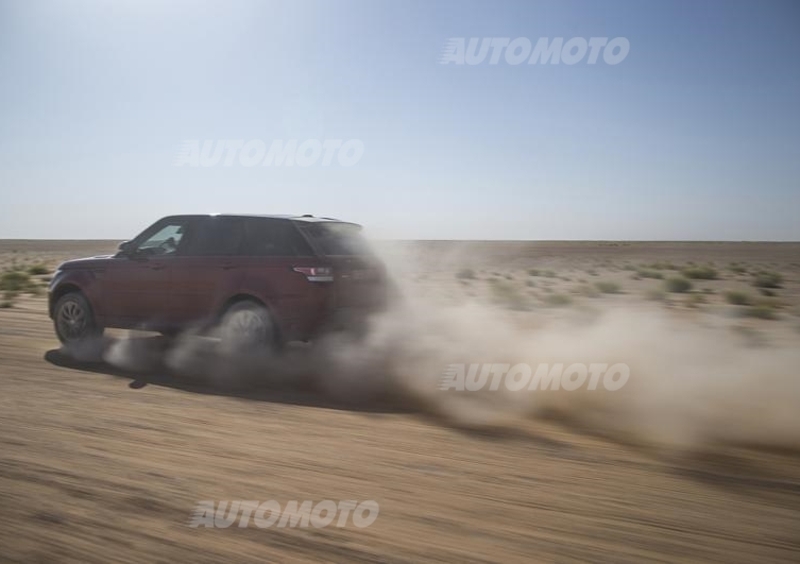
<point>761,311</point>
<point>656,295</point>
<point>767,279</point>
<point>588,291</point>
<point>696,299</point>
<point>677,284</point>
<point>533,272</point>
<point>736,297</point>
<point>662,266</point>
<point>700,273</point>
<point>557,300</point>
<point>646,273</point>
<point>607,287</point>
<point>38,270</point>
<point>15,281</point>
<point>508,296</point>
<point>737,268</point>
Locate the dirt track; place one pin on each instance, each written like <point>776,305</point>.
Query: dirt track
<point>95,469</point>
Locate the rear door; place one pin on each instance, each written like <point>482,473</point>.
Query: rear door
<point>209,270</point>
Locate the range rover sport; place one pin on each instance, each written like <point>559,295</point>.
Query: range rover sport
<point>263,279</point>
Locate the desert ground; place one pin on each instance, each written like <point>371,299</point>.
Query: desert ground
<point>697,458</point>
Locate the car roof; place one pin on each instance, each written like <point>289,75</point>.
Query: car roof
<point>306,218</point>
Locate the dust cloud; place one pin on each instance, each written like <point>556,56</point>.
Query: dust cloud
<point>689,385</point>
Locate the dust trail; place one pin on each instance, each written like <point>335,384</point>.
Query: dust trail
<point>689,384</point>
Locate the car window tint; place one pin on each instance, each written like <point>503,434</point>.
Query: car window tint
<point>266,237</point>
<point>216,236</point>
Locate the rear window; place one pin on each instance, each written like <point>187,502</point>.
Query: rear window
<point>336,238</point>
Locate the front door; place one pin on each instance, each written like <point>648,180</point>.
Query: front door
<point>138,287</point>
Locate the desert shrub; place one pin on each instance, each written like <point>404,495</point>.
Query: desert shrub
<point>767,292</point>
<point>661,265</point>
<point>774,303</point>
<point>700,273</point>
<point>533,272</point>
<point>737,268</point>
<point>607,287</point>
<point>557,300</point>
<point>677,284</point>
<point>8,298</point>
<point>766,279</point>
<point>465,274</point>
<point>695,300</point>
<point>645,273</point>
<point>736,297</point>
<point>15,281</point>
<point>761,311</point>
<point>549,274</point>
<point>656,295</point>
<point>530,284</point>
<point>38,270</point>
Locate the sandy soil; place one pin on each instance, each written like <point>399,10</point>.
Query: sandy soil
<point>102,464</point>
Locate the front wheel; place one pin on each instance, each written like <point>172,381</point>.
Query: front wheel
<point>74,320</point>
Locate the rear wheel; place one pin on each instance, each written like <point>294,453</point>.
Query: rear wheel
<point>247,327</point>
<point>74,320</point>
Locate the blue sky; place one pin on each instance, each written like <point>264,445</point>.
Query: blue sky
<point>694,135</point>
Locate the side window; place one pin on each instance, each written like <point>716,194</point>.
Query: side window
<point>274,238</point>
<point>216,236</point>
<point>164,241</point>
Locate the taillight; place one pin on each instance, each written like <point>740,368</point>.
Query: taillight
<point>316,273</point>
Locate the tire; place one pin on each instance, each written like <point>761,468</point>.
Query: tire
<point>74,320</point>
<point>247,328</point>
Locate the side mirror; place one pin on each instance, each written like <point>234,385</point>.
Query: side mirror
<point>125,248</point>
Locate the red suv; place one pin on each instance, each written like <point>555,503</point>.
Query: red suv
<point>265,279</point>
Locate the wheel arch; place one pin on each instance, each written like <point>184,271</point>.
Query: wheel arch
<point>62,290</point>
